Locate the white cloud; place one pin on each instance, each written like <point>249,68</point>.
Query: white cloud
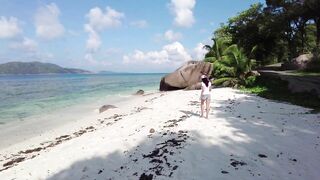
<point>47,22</point>
<point>9,27</point>
<point>172,36</point>
<point>27,45</point>
<point>99,20</point>
<point>93,41</point>
<point>139,23</point>
<point>199,52</point>
<point>173,53</point>
<point>182,9</point>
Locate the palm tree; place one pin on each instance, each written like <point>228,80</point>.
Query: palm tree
<point>230,63</point>
<point>215,51</point>
<point>234,63</point>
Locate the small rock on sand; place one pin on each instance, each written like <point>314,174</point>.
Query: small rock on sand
<point>139,92</point>
<point>151,130</point>
<point>106,107</point>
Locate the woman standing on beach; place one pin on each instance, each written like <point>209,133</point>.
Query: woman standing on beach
<point>205,94</point>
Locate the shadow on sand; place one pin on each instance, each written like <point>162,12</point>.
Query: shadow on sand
<point>257,138</point>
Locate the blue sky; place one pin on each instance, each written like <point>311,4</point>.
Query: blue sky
<point>114,35</point>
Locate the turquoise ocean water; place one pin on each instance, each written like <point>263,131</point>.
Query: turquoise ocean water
<point>23,96</point>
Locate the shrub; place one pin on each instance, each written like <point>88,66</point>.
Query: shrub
<point>226,82</point>
<point>250,81</point>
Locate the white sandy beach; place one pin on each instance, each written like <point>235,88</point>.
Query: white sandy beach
<point>245,137</point>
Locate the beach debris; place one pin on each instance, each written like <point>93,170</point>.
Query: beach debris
<point>224,172</point>
<point>31,153</point>
<point>151,130</point>
<point>14,161</point>
<point>262,155</point>
<point>160,161</point>
<point>139,92</point>
<point>174,122</point>
<point>146,177</point>
<point>106,107</point>
<point>100,171</point>
<point>160,156</point>
<point>31,150</point>
<point>236,163</point>
<point>151,100</point>
<point>139,109</point>
<point>293,159</point>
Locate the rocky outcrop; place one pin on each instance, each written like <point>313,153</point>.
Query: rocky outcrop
<point>299,63</point>
<point>186,77</point>
<point>106,107</point>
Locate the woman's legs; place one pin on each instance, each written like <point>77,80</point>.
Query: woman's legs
<point>207,107</point>
<point>202,106</point>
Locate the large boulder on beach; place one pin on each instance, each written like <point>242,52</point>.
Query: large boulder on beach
<point>186,77</point>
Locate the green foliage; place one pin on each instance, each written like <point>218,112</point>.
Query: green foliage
<point>232,63</point>
<point>254,89</point>
<point>234,57</point>
<point>262,35</point>
<point>210,59</point>
<point>265,34</point>
<point>216,50</point>
<point>218,82</point>
<point>222,70</point>
<point>279,31</point>
<point>249,81</point>
<point>226,82</point>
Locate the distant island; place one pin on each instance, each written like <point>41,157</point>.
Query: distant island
<point>109,72</point>
<point>37,68</point>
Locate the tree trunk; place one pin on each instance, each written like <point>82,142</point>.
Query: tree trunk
<point>303,34</point>
<point>317,21</point>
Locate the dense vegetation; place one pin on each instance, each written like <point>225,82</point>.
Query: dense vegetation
<point>280,31</point>
<point>266,34</point>
<point>35,68</point>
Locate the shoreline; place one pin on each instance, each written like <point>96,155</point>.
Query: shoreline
<point>12,133</point>
<point>162,135</point>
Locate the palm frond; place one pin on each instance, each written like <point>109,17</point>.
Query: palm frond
<point>210,59</point>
